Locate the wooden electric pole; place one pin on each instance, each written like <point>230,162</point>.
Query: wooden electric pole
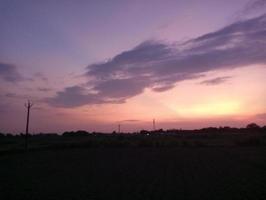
<point>28,105</point>
<point>153,125</point>
<point>119,128</point>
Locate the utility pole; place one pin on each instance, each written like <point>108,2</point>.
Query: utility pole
<point>153,125</point>
<point>119,128</point>
<point>28,106</point>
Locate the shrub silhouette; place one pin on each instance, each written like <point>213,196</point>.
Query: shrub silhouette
<point>253,126</point>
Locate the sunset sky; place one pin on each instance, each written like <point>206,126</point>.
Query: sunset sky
<point>92,65</point>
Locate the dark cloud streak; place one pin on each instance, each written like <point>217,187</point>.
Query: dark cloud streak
<point>159,66</point>
<point>44,89</point>
<point>9,73</point>
<point>216,81</point>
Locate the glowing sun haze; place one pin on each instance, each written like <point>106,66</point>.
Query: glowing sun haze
<point>93,64</point>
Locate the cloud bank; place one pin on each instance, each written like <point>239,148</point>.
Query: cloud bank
<point>159,66</point>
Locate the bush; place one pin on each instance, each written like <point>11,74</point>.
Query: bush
<point>251,141</point>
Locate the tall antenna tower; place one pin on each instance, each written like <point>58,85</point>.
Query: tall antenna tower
<point>119,128</point>
<point>153,125</point>
<point>28,105</point>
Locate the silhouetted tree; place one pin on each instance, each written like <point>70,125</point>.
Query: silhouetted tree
<point>77,133</point>
<point>144,132</point>
<point>253,126</point>
<point>81,133</point>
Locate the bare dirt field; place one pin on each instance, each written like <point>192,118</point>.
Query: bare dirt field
<point>135,173</point>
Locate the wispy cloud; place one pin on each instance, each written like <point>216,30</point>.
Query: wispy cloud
<point>254,6</point>
<point>159,66</point>
<point>261,116</point>
<point>9,73</point>
<point>44,89</point>
<point>216,81</point>
<point>129,121</point>
<point>40,76</point>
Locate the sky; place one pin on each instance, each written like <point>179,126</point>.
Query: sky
<point>91,65</point>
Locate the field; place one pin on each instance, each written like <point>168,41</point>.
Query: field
<point>181,172</point>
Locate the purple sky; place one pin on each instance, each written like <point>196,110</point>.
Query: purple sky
<point>93,64</point>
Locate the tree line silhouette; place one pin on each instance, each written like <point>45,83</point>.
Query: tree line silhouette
<point>251,128</point>
<point>251,135</point>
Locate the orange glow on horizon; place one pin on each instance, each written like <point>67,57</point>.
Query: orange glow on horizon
<point>211,109</point>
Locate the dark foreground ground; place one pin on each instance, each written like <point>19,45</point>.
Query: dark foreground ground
<point>135,173</point>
